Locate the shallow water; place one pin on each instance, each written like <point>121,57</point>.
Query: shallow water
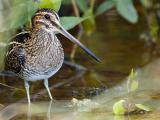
<point>119,46</point>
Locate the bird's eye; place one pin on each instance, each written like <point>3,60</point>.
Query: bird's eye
<point>47,17</point>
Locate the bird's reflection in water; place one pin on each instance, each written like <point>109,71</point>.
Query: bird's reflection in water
<point>17,111</point>
<point>29,114</point>
<point>48,111</point>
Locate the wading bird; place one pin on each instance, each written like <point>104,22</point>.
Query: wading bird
<point>38,54</point>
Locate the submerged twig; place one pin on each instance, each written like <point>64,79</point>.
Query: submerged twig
<point>76,66</point>
<point>7,74</point>
<point>11,87</point>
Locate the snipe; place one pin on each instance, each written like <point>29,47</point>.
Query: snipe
<point>38,54</point>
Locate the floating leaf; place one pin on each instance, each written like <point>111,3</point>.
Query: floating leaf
<point>118,107</point>
<point>143,107</point>
<point>106,5</point>
<point>71,22</point>
<point>127,10</point>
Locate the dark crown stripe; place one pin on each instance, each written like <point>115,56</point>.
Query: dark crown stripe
<point>46,10</point>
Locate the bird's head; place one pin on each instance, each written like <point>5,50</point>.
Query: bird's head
<point>49,19</point>
<point>46,18</point>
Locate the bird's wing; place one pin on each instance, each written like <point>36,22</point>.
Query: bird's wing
<point>15,57</point>
<point>21,37</point>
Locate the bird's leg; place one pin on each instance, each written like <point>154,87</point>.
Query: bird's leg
<point>29,115</point>
<point>26,84</point>
<point>46,86</point>
<point>49,110</point>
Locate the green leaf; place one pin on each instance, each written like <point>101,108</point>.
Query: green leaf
<point>70,22</point>
<point>106,5</point>
<point>118,107</point>
<point>53,4</point>
<point>132,83</point>
<point>127,10</point>
<point>89,24</point>
<point>143,107</point>
<point>21,13</point>
<point>18,14</point>
<point>132,74</point>
<point>16,2</point>
<point>134,86</point>
<point>146,3</point>
<point>82,4</point>
<point>67,2</point>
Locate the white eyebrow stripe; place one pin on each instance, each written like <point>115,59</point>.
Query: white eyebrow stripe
<point>54,14</point>
<point>57,16</point>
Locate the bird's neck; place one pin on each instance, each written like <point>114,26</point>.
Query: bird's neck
<point>41,40</point>
<point>42,37</point>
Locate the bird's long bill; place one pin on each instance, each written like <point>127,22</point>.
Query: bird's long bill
<point>74,40</point>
